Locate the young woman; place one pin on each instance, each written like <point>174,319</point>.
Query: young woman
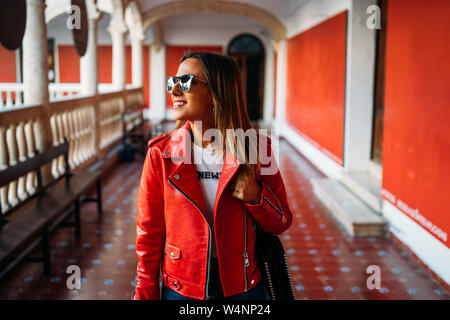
<point>198,200</point>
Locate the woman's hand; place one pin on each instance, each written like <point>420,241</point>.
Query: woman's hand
<point>246,187</point>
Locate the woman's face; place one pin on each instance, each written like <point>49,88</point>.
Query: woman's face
<point>195,104</point>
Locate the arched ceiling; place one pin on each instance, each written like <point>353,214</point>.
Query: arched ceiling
<point>279,8</point>
<point>171,8</point>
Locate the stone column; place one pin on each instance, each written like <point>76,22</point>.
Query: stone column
<point>280,121</point>
<point>35,54</point>
<point>117,30</point>
<point>35,79</point>
<point>137,59</point>
<point>157,83</point>
<point>269,85</point>
<point>359,97</point>
<point>89,62</point>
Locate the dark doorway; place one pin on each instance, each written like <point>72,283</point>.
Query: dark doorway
<point>378,108</point>
<point>248,52</point>
<point>51,60</point>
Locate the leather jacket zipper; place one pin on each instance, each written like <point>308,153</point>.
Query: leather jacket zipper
<point>245,254</point>
<point>279,209</point>
<point>209,242</point>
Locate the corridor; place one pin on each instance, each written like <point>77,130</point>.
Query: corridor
<point>325,262</point>
<point>364,137</point>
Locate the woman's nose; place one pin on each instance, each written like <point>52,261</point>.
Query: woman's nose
<point>176,91</point>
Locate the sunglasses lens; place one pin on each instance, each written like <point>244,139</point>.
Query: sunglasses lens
<point>169,84</point>
<point>185,83</point>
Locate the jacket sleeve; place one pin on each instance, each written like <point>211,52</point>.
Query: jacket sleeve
<point>150,230</point>
<point>272,211</point>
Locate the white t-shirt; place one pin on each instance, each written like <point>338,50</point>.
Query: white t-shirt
<point>209,166</point>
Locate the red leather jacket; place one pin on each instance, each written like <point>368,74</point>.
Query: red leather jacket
<point>172,226</point>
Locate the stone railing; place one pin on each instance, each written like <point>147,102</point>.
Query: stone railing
<point>11,94</point>
<point>61,90</point>
<point>93,125</point>
<point>133,116</point>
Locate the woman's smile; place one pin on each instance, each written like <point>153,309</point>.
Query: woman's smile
<point>177,104</point>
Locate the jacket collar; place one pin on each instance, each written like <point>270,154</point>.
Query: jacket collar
<point>178,146</point>
<point>183,172</point>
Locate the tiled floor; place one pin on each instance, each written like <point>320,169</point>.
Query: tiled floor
<point>325,263</point>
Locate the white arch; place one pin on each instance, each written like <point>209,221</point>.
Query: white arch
<point>117,8</point>
<point>133,20</point>
<point>105,6</point>
<point>55,8</point>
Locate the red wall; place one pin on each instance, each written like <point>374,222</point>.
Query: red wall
<point>104,64</point>
<point>173,57</point>
<point>69,64</point>
<point>416,145</point>
<point>7,65</point>
<point>129,67</point>
<point>7,68</point>
<point>315,85</point>
<point>146,55</point>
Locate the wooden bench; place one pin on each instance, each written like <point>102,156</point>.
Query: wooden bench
<point>30,222</point>
<point>138,136</point>
<point>130,118</point>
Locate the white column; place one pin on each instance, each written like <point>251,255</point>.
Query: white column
<point>157,83</point>
<point>89,62</point>
<point>35,54</point>
<point>137,59</point>
<point>268,85</point>
<point>361,57</point>
<point>117,30</point>
<point>281,86</point>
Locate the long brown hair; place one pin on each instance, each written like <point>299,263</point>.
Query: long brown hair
<point>230,105</point>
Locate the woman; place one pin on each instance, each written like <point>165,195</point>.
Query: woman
<point>195,218</point>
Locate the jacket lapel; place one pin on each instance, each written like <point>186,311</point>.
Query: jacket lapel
<point>230,167</point>
<point>182,171</point>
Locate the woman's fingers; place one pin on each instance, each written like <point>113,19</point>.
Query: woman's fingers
<point>235,188</point>
<point>246,188</point>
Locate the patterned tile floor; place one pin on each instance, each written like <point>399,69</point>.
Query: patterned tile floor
<point>325,262</point>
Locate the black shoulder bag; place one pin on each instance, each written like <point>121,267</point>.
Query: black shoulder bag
<point>273,265</point>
